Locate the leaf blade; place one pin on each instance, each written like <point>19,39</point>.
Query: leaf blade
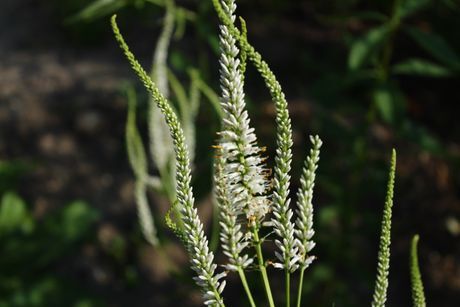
<point>420,67</point>
<point>436,46</point>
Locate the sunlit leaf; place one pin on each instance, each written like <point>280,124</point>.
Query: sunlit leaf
<point>421,68</point>
<point>13,214</point>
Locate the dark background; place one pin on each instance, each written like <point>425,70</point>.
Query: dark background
<point>63,159</point>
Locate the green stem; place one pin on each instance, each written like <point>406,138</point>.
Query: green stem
<point>288,287</point>
<point>394,23</point>
<point>299,293</point>
<point>246,286</point>
<point>214,242</point>
<point>263,270</point>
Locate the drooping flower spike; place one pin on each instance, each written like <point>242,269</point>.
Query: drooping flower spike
<point>202,259</point>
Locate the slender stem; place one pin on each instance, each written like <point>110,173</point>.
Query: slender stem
<point>288,287</point>
<point>299,293</point>
<point>263,270</point>
<point>246,286</point>
<point>394,23</point>
<point>215,228</point>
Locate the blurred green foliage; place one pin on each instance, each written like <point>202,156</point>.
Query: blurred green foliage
<point>10,173</point>
<point>374,50</point>
<point>32,248</point>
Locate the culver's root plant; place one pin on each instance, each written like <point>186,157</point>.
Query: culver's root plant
<point>251,198</point>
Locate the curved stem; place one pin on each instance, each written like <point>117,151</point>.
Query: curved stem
<point>263,270</point>
<point>246,286</point>
<point>299,293</point>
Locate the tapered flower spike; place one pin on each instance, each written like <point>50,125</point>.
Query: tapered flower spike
<point>244,170</point>
<point>144,213</point>
<point>161,147</point>
<point>383,266</point>
<point>201,258</point>
<point>243,167</point>
<point>231,235</point>
<point>233,240</point>
<point>304,222</point>
<point>418,295</point>
<point>138,160</point>
<point>284,228</point>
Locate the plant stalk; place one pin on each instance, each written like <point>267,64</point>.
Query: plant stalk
<point>299,293</point>
<point>214,242</point>
<point>394,24</point>
<point>288,287</point>
<point>262,268</point>
<point>246,286</point>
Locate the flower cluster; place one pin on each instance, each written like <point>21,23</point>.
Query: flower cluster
<point>231,236</point>
<point>304,222</point>
<point>243,168</point>
<point>242,181</point>
<point>245,193</point>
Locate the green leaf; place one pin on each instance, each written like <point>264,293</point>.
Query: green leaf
<point>10,172</point>
<point>409,7</point>
<point>389,102</point>
<point>436,46</point>
<point>384,101</point>
<point>420,67</point>
<point>156,2</point>
<point>363,48</point>
<point>76,219</point>
<point>422,137</point>
<point>13,214</point>
<point>97,9</point>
